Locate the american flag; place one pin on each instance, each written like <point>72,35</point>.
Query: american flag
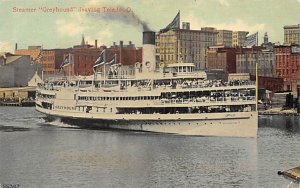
<point>175,24</point>
<point>65,62</point>
<point>251,40</point>
<point>113,61</point>
<point>100,61</point>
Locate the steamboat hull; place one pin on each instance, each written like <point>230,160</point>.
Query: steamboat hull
<point>241,124</point>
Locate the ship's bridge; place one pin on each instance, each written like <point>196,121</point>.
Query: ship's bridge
<point>181,67</point>
<point>184,69</point>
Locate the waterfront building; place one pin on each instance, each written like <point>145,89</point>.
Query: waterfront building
<point>32,51</point>
<point>85,57</point>
<point>291,34</point>
<point>239,38</point>
<point>185,45</point>
<point>221,58</point>
<point>224,38</point>
<point>83,60</point>
<point>288,65</point>
<point>17,70</point>
<point>50,59</point>
<point>246,59</point>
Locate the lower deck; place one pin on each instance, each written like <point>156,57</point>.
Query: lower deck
<point>240,124</point>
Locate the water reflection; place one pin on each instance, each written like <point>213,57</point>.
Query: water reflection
<point>289,123</point>
<point>52,156</point>
<point>12,128</point>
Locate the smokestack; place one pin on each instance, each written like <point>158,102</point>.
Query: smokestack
<point>96,43</point>
<point>149,37</point>
<point>16,47</point>
<point>121,43</point>
<point>149,61</point>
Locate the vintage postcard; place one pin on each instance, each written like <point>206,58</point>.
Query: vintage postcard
<point>127,93</point>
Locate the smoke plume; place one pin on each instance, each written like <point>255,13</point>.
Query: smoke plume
<point>122,15</point>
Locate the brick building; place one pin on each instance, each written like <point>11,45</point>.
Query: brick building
<point>32,51</point>
<point>221,58</point>
<point>269,83</point>
<point>288,65</point>
<point>83,57</point>
<point>50,59</point>
<point>83,60</point>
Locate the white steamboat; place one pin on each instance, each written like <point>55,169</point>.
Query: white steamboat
<point>178,100</point>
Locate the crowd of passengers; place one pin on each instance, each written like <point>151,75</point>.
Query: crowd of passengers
<point>188,110</point>
<point>180,83</point>
<point>193,83</point>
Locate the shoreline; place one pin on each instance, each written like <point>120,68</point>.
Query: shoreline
<point>278,111</point>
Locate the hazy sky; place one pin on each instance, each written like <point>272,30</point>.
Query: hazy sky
<point>64,29</point>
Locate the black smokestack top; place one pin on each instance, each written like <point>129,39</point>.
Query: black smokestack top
<point>149,37</point>
<point>123,15</point>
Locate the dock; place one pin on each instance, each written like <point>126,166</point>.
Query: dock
<point>17,96</point>
<point>293,173</point>
<point>10,103</point>
<point>278,111</point>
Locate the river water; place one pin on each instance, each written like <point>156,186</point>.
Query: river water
<point>34,153</point>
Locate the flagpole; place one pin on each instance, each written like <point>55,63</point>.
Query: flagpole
<point>70,67</point>
<point>257,39</point>
<point>256,84</point>
<point>104,55</point>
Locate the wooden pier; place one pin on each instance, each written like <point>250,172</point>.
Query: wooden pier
<point>18,96</point>
<point>10,103</point>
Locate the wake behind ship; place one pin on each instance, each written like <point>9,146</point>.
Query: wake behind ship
<point>176,99</point>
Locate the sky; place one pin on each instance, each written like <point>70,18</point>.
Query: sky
<point>124,19</point>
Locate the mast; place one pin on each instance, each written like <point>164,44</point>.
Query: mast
<point>104,55</point>
<point>70,67</point>
<point>256,84</point>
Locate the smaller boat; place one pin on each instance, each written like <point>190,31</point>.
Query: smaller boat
<point>293,173</point>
